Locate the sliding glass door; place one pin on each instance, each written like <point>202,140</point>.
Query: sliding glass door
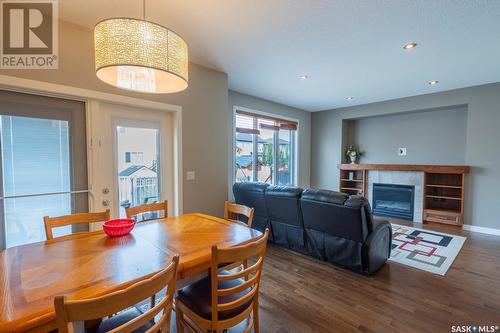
<point>43,160</point>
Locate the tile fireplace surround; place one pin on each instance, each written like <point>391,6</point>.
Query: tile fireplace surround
<point>413,178</point>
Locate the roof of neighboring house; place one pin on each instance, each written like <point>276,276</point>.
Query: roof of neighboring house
<point>244,137</point>
<point>132,169</point>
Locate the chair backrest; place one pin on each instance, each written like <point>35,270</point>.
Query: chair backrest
<point>68,312</point>
<point>251,275</point>
<point>148,208</point>
<point>61,221</point>
<point>234,212</point>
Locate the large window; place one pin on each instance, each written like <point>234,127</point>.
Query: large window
<point>264,149</point>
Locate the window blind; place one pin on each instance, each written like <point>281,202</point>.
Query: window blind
<point>251,123</point>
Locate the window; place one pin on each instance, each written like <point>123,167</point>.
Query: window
<point>134,157</point>
<point>264,149</point>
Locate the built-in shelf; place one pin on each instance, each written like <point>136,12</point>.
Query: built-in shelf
<point>352,180</point>
<point>351,188</point>
<point>443,186</point>
<point>442,197</point>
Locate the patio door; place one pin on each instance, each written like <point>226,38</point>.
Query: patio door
<point>43,165</point>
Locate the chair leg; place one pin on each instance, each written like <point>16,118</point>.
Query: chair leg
<point>255,314</point>
<point>179,320</point>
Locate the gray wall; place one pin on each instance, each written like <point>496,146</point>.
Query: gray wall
<point>204,114</point>
<point>431,137</point>
<point>304,136</point>
<point>482,143</point>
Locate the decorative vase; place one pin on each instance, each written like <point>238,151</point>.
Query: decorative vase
<point>353,158</point>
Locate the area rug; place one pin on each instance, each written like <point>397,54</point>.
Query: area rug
<point>430,251</point>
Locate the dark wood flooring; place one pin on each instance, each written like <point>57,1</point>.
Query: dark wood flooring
<point>301,294</point>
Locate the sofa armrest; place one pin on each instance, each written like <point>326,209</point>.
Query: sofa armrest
<point>377,246</point>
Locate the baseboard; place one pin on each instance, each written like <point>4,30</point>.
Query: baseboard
<point>483,230</point>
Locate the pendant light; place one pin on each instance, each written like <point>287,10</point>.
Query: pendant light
<point>139,55</point>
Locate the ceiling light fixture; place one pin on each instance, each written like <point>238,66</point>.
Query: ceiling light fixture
<point>139,55</point>
<point>410,46</point>
<point>303,77</point>
<point>349,98</point>
<point>433,82</point>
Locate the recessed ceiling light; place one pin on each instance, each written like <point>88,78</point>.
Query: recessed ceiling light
<point>410,46</point>
<point>349,98</point>
<point>433,82</point>
<point>303,77</point>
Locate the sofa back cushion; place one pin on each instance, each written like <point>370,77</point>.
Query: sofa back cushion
<point>253,196</point>
<point>283,204</point>
<point>285,215</point>
<point>334,213</point>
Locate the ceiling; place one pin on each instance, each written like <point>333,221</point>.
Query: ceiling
<point>346,48</point>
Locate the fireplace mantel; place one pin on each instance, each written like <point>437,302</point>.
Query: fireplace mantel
<point>439,191</point>
<point>455,169</point>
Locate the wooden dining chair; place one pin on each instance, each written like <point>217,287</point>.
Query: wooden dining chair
<point>61,221</point>
<point>71,312</point>
<point>233,212</point>
<point>225,298</point>
<point>148,208</point>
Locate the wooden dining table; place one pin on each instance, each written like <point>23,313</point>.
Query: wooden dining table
<point>89,264</point>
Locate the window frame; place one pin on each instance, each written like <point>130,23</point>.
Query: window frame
<point>294,168</point>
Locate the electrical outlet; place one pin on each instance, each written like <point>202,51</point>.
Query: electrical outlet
<point>401,151</point>
<point>190,176</point>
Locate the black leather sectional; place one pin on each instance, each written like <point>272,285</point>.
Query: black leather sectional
<point>331,226</point>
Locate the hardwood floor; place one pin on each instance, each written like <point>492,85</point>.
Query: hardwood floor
<point>301,294</point>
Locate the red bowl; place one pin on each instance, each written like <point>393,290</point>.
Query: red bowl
<point>118,227</point>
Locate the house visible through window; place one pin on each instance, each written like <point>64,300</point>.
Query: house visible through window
<point>264,149</point>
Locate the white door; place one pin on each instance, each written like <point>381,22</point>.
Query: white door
<point>132,157</point>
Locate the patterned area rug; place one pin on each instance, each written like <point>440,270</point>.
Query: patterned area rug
<point>427,250</point>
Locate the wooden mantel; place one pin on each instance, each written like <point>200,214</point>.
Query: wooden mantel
<point>444,186</point>
<point>455,169</point>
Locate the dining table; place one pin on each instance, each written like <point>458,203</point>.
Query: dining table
<point>90,264</point>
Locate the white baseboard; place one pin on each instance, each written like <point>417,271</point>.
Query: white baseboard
<point>483,230</point>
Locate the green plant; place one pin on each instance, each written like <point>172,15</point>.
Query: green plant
<point>353,151</point>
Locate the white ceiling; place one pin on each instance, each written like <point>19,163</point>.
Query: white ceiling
<point>347,48</point>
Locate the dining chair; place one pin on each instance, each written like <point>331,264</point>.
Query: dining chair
<point>225,298</point>
<point>61,221</point>
<point>71,313</point>
<point>233,212</point>
<point>148,208</point>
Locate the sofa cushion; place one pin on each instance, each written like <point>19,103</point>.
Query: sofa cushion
<point>252,195</point>
<point>325,196</point>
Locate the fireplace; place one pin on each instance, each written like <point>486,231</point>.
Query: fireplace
<point>393,200</point>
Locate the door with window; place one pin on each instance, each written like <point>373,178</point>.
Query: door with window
<point>43,165</point>
<point>132,157</point>
<point>264,149</point>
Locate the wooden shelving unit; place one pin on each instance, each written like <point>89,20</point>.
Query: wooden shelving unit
<point>444,198</point>
<point>353,181</point>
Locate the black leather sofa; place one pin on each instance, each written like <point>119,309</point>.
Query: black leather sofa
<point>331,226</point>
